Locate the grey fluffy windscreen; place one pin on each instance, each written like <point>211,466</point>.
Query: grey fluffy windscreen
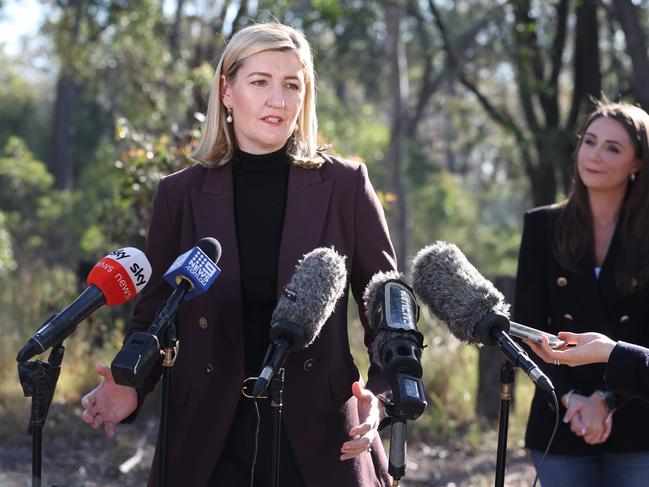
<point>310,296</point>
<point>376,283</point>
<point>453,289</point>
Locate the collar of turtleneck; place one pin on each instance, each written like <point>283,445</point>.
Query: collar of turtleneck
<point>245,163</point>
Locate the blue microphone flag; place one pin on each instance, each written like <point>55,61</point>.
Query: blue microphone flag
<point>193,266</point>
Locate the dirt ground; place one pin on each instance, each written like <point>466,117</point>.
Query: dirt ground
<point>75,455</point>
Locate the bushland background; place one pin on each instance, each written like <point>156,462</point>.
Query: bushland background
<point>465,112</point>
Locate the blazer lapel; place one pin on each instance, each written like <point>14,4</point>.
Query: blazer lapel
<point>307,202</point>
<point>213,211</point>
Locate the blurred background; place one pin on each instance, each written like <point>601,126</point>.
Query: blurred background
<point>464,111</point>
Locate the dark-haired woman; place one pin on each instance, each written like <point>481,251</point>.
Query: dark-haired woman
<point>584,266</point>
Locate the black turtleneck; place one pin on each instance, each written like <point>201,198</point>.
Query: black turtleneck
<point>260,183</point>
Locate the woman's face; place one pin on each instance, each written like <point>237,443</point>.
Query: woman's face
<point>266,97</point>
<point>606,156</point>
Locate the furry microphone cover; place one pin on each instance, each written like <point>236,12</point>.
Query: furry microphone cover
<point>454,290</point>
<point>309,298</point>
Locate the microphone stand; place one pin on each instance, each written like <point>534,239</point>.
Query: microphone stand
<point>170,345</point>
<point>38,380</point>
<point>275,389</point>
<point>506,381</point>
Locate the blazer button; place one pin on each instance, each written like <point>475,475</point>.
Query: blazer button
<point>562,282</point>
<point>624,319</point>
<point>308,364</point>
<point>202,322</point>
<point>209,369</point>
<point>568,317</point>
<point>634,283</point>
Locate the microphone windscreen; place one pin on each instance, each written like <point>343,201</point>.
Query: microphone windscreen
<point>454,290</point>
<point>310,296</point>
<point>211,247</point>
<point>373,289</point>
<point>120,275</point>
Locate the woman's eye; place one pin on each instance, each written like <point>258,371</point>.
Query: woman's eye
<point>293,86</point>
<point>589,142</point>
<point>613,149</point>
<point>259,82</point>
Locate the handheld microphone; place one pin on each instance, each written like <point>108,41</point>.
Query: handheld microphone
<point>304,305</point>
<point>472,308</point>
<point>393,313</point>
<point>191,274</point>
<point>114,280</point>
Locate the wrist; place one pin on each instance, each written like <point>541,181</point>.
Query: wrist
<point>565,399</point>
<point>608,399</point>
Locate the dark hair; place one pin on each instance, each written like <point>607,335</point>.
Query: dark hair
<point>574,236</point>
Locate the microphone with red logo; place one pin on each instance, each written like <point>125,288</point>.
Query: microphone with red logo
<point>114,280</point>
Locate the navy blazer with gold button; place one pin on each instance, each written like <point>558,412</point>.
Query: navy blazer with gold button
<point>333,205</point>
<point>551,298</point>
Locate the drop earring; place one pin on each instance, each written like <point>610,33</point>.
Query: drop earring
<point>632,176</point>
<point>229,117</point>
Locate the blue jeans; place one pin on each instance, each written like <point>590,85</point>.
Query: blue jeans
<point>604,470</point>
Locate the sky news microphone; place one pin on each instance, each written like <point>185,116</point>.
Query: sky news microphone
<point>392,312</point>
<point>191,274</point>
<point>472,308</point>
<point>305,304</point>
<point>114,280</point>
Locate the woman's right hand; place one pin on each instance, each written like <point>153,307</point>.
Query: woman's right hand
<point>108,403</point>
<point>584,348</point>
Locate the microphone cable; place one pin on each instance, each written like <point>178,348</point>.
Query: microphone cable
<point>255,443</point>
<point>554,432</point>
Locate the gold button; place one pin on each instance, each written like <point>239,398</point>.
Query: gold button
<point>308,364</point>
<point>562,282</point>
<point>568,316</point>
<point>209,369</point>
<point>624,319</point>
<point>202,322</point>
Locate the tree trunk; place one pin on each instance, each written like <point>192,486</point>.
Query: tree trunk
<point>398,130</point>
<point>636,47</point>
<point>60,164</point>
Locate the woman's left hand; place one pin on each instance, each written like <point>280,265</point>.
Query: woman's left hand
<point>596,421</point>
<point>370,413</point>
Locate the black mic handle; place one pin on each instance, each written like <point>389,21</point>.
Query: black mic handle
<point>517,356</point>
<point>275,357</point>
<point>397,457</point>
<point>141,350</point>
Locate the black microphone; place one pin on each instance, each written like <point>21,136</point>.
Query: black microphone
<point>115,279</point>
<point>192,273</point>
<point>472,308</point>
<point>392,312</point>
<point>304,305</point>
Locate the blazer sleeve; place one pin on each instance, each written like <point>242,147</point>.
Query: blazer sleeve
<point>373,252</point>
<point>161,250</point>
<point>532,301</point>
<point>628,370</point>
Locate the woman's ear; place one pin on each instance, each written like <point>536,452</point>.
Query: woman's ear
<point>226,92</point>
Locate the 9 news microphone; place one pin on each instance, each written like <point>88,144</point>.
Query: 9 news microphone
<point>472,308</point>
<point>305,304</point>
<point>114,280</point>
<point>191,274</point>
<point>392,312</point>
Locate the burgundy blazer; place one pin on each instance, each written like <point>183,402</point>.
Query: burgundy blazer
<point>335,206</point>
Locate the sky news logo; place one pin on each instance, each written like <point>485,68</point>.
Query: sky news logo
<point>201,268</point>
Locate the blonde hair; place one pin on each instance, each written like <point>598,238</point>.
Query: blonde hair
<point>217,144</point>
